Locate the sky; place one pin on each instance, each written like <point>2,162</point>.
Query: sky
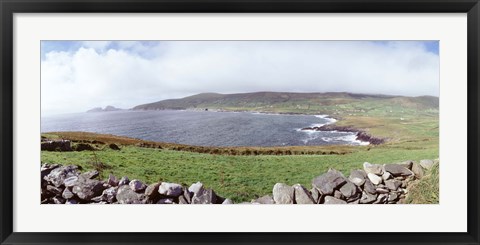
<point>79,75</point>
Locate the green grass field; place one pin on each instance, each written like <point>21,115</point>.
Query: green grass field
<point>411,130</point>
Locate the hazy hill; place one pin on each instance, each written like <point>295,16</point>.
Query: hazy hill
<point>107,108</point>
<point>286,101</point>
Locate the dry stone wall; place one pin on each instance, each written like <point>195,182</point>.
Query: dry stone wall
<point>374,184</point>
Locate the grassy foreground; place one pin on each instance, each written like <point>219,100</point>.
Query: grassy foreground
<point>409,125</point>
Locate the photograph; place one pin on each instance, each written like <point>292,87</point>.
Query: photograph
<point>239,122</point>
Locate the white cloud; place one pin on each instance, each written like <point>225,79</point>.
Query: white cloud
<point>134,73</point>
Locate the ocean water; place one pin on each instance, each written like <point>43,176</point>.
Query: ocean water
<point>204,128</point>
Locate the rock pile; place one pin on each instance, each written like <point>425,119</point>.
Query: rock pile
<point>376,184</point>
<point>67,185</point>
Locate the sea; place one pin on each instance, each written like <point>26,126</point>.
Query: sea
<point>205,128</point>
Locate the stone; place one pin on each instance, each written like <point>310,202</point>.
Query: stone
<point>417,170</point>
<point>46,168</point>
<point>329,181</point>
<point>124,181</point>
<point>125,195</point>
<point>90,174</point>
<point>170,189</point>
<point>375,179</point>
<point>406,164</point>
<point>58,200</point>
<point>357,177</point>
<point>397,170</point>
<point>54,190</point>
<point>376,169</point>
<point>283,194</point>
<point>165,201</point>
<point>349,189</point>
<point>369,187</point>
<point>194,188</point>
<point>112,180</point>
<point>392,197</point>
<point>67,193</point>
<point>315,195</point>
<point>265,200</point>
<point>204,196</point>
<point>58,175</point>
<point>393,184</point>
<point>338,195</point>
<point>151,192</point>
<point>227,201</point>
<point>386,176</point>
<point>70,181</point>
<point>110,195</point>
<point>302,195</point>
<point>187,195</point>
<point>426,163</point>
<point>137,185</point>
<point>381,199</point>
<point>333,200</point>
<point>382,190</point>
<point>86,189</point>
<point>182,200</point>
<point>368,198</point>
<point>357,201</point>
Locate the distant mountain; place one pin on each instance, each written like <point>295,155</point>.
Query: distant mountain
<point>286,101</point>
<point>107,108</point>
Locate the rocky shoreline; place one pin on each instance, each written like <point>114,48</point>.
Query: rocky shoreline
<point>374,184</point>
<point>361,135</point>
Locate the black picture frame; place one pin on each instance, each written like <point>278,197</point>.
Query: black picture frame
<point>10,7</point>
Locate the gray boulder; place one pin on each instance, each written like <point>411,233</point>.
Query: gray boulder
<point>417,170</point>
<point>369,187</point>
<point>393,184</point>
<point>204,196</point>
<point>302,195</point>
<point>265,200</point>
<point>368,198</point>
<point>283,194</point>
<point>110,195</point>
<point>397,170</point>
<point>357,177</point>
<point>329,181</point>
<point>70,181</point>
<point>375,179</point>
<point>86,189</point>
<point>381,199</point>
<point>46,168</point>
<point>124,181</point>
<point>373,168</point>
<point>426,163</point>
<point>315,195</point>
<point>67,194</point>
<point>333,200</point>
<point>386,176</point>
<point>125,195</point>
<point>112,180</point>
<point>54,190</point>
<point>170,189</point>
<point>137,185</point>
<point>90,174</point>
<point>406,164</point>
<point>196,187</point>
<point>152,191</point>
<point>58,175</point>
<point>349,189</point>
